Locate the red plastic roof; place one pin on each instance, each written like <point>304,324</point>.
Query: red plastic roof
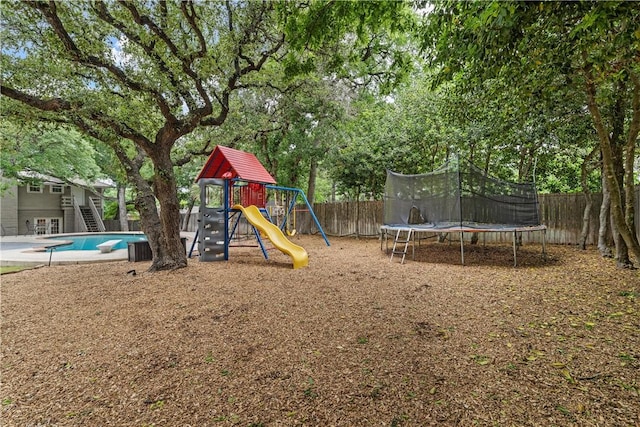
<point>240,164</point>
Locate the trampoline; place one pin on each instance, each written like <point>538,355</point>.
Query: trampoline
<point>411,231</point>
<point>456,198</point>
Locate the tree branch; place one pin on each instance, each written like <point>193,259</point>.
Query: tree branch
<point>49,10</point>
<point>191,16</point>
<point>58,105</point>
<point>186,61</point>
<point>54,104</point>
<point>102,13</point>
<point>204,151</point>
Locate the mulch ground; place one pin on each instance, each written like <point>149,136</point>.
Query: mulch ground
<point>351,340</point>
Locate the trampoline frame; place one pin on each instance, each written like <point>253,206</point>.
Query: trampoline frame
<point>414,229</point>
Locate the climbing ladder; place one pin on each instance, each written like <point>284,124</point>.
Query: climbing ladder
<point>403,237</point>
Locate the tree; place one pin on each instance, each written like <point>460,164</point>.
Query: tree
<point>587,48</point>
<point>148,73</point>
<point>141,75</point>
<point>46,149</point>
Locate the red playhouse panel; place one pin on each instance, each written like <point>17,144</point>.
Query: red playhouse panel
<point>235,164</point>
<point>253,194</point>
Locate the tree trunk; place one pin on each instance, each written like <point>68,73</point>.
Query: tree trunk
<point>144,200</point>
<point>617,208</point>
<point>474,238</point>
<point>358,213</point>
<point>586,216</point>
<point>145,203</point>
<point>311,190</point>
<point>168,253</point>
<point>617,150</point>
<point>605,215</point>
<point>621,247</point>
<point>122,208</point>
<point>630,156</point>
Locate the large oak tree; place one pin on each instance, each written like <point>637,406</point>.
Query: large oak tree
<point>140,75</point>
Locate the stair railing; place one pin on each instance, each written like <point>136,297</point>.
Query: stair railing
<point>80,224</point>
<point>96,215</point>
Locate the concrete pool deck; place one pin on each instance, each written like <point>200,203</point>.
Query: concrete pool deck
<point>17,250</point>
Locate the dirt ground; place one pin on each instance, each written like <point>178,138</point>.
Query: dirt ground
<point>351,340</point>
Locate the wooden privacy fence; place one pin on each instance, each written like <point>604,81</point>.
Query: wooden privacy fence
<point>561,213</point>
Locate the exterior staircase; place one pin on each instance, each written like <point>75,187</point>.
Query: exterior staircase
<point>89,219</point>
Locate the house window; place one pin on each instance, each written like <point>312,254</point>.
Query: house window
<point>55,225</point>
<point>40,226</point>
<point>56,189</point>
<point>47,225</point>
<point>33,188</point>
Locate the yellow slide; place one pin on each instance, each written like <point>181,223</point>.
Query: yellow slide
<point>297,253</point>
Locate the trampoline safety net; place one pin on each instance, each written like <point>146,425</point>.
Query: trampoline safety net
<point>459,194</point>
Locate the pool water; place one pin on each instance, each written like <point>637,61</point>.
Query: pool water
<point>89,242</point>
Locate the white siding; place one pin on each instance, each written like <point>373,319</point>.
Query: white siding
<point>9,211</point>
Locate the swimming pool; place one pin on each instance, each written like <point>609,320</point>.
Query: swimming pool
<point>89,242</point>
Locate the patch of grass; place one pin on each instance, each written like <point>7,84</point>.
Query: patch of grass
<point>589,325</point>
<point>566,412</point>
<point>630,294</point>
<point>626,358</point>
<point>481,359</point>
<point>12,269</point>
<point>376,392</point>
<point>309,391</point>
<point>629,387</point>
<point>159,404</point>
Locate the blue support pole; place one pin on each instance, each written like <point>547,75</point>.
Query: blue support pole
<point>255,232</point>
<point>299,192</point>
<point>235,224</point>
<point>227,208</point>
<point>259,239</point>
<point>195,240</point>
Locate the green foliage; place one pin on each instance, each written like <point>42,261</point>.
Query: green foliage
<point>539,53</point>
<point>111,210</point>
<point>49,150</point>
<point>538,48</point>
<point>511,135</point>
<point>367,42</point>
<point>507,93</point>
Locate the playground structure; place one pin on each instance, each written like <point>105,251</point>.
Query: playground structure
<point>456,198</point>
<point>234,188</point>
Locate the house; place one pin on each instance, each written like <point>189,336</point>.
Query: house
<point>41,204</point>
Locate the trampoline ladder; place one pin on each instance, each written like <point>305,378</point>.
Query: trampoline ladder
<point>402,240</point>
